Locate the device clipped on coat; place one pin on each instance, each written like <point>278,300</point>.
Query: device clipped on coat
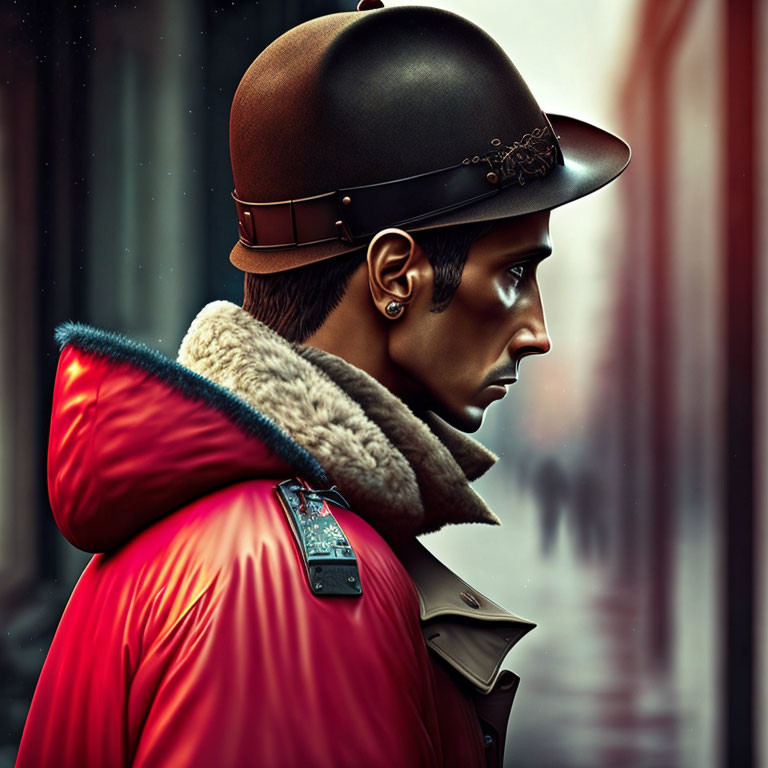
<point>328,556</point>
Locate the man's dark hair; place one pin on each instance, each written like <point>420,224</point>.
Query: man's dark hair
<point>295,303</point>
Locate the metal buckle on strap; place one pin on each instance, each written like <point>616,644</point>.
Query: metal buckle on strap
<point>287,223</point>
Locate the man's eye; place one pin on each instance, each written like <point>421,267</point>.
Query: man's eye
<point>516,272</point>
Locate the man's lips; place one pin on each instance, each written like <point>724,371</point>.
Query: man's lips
<point>501,384</point>
<point>498,387</point>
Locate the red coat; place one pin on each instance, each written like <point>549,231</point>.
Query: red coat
<point>193,639</point>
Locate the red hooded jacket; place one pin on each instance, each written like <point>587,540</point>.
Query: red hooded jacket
<point>193,638</point>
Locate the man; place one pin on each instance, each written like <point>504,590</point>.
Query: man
<point>261,598</point>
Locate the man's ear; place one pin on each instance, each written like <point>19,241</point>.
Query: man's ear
<point>396,268</point>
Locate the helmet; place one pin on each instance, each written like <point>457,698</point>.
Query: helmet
<point>407,116</point>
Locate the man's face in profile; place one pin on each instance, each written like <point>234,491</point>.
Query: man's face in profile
<point>462,359</point>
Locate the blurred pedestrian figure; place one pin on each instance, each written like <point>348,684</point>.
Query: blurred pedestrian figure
<point>550,487</point>
<point>524,464</point>
<point>587,519</point>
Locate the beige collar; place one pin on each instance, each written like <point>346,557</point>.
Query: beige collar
<point>401,475</point>
<point>467,630</point>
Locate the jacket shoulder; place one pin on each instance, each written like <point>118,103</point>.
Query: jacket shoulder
<point>240,535</point>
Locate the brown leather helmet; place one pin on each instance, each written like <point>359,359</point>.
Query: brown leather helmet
<point>408,116</point>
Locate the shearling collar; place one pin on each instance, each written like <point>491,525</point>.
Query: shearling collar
<point>396,472</point>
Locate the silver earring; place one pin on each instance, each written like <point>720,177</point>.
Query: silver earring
<point>394,309</point>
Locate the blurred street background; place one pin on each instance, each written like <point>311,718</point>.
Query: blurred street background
<point>631,485</point>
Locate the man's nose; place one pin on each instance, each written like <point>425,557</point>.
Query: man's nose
<point>532,337</point>
<point>538,343</point>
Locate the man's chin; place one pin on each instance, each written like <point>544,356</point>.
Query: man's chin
<point>468,419</point>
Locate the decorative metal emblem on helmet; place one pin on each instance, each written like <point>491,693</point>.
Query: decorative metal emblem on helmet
<point>530,158</point>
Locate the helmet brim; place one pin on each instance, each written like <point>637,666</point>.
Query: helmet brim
<point>592,158</point>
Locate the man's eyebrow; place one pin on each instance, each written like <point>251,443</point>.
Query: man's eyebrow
<point>537,252</point>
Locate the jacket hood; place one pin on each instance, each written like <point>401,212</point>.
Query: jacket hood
<point>135,435</point>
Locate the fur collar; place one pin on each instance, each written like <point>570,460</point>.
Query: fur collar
<point>401,475</point>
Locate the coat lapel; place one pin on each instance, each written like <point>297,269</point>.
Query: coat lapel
<point>471,633</point>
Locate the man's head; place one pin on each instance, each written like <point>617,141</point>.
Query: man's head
<point>407,131</point>
<point>469,311</point>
